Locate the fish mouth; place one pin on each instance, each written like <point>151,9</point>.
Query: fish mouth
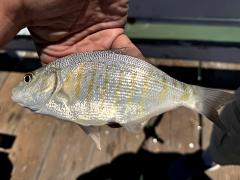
<point>17,98</point>
<point>21,100</point>
<point>33,108</point>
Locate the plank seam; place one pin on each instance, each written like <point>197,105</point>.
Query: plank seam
<point>39,171</point>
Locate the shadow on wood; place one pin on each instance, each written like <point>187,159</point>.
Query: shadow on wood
<point>142,165</point>
<point>6,166</point>
<point>148,165</point>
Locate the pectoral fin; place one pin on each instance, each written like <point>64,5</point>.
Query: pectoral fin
<point>94,133</point>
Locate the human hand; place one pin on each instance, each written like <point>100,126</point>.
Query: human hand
<point>63,27</point>
<point>227,151</point>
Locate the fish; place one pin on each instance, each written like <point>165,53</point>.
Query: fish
<point>104,87</point>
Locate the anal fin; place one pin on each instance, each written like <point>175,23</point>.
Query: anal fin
<point>94,133</point>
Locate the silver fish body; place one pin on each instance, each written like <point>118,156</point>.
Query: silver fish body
<point>101,87</point>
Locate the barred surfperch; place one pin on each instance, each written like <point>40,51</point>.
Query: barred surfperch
<point>103,87</point>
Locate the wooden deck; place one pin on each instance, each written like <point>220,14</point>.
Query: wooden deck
<point>46,148</point>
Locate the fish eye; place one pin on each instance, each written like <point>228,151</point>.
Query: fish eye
<point>28,77</point>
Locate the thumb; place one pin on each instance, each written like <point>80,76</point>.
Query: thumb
<point>123,41</point>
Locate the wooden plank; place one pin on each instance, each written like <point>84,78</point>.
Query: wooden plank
<point>67,153</point>
<point>10,112</point>
<point>116,142</point>
<point>3,77</point>
<point>73,152</point>
<point>225,173</point>
<point>178,129</point>
<point>32,130</point>
<point>33,139</point>
<point>193,63</point>
<point>206,132</point>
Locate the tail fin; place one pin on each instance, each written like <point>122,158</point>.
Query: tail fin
<point>208,101</point>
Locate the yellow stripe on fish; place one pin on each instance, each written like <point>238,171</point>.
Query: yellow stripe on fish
<point>132,90</point>
<point>165,89</point>
<point>67,89</point>
<point>103,91</point>
<point>118,88</point>
<point>144,90</point>
<point>79,76</point>
<point>175,86</point>
<point>90,87</point>
<point>186,92</point>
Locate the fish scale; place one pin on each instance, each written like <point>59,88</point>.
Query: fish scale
<point>100,87</point>
<point>127,88</point>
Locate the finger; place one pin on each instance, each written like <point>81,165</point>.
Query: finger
<point>101,40</point>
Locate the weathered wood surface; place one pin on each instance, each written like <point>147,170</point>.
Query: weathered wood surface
<point>47,148</point>
<point>9,111</point>
<point>178,129</point>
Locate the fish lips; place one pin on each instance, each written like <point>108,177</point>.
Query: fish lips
<point>16,97</point>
